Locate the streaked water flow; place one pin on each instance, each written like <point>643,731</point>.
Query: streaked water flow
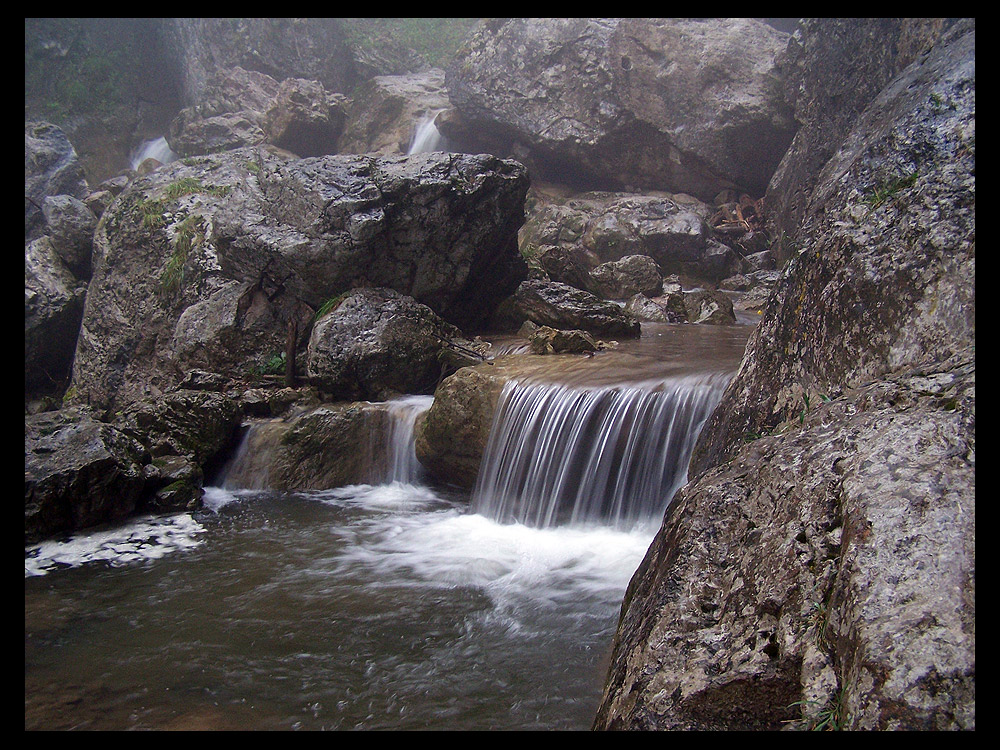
<point>426,136</point>
<point>559,454</point>
<point>390,605</point>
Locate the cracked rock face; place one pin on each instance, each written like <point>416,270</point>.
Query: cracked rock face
<point>205,263</point>
<point>819,569</point>
<point>687,105</point>
<point>828,569</point>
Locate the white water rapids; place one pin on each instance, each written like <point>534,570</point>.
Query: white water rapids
<point>400,604</point>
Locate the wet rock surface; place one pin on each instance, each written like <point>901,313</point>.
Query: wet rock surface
<point>726,124</point>
<point>819,569</point>
<point>376,344</point>
<point>562,306</point>
<point>206,264</point>
<point>78,472</point>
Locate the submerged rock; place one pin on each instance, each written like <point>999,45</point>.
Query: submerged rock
<point>546,340</point>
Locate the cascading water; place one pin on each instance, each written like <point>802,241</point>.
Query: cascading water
<point>157,148</point>
<point>396,604</point>
<point>401,457</point>
<point>426,136</point>
<point>610,455</point>
<point>394,459</point>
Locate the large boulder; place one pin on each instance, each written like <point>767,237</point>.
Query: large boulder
<point>687,105</point>
<point>886,274</point>
<point>207,263</point>
<point>386,110</point>
<point>550,303</point>
<point>451,436</point>
<point>833,68</point>
<point>53,308</point>
<point>709,306</point>
<point>51,167</point>
<point>375,344</point>
<point>569,237</point>
<point>623,279</point>
<point>823,578</point>
<point>328,446</point>
<point>198,425</point>
<point>316,49</point>
<point>71,224</point>
<point>78,472</point>
<point>819,569</point>
<point>247,108</point>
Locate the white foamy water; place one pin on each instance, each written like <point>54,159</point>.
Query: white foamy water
<point>426,136</point>
<point>515,565</point>
<point>402,463</point>
<point>156,148</point>
<point>390,605</point>
<point>138,541</point>
<point>611,455</point>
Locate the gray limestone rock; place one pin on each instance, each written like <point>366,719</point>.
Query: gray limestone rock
<point>689,105</point>
<point>375,344</point>
<point>78,472</point>
<point>207,262</point>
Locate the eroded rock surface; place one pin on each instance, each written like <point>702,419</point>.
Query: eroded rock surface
<point>688,105</point>
<point>819,569</point>
<point>206,263</point>
<point>78,472</point>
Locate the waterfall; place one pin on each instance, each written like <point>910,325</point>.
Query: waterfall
<point>250,466</point>
<point>614,455</point>
<point>390,455</point>
<point>426,136</point>
<point>156,148</point>
<point>401,457</point>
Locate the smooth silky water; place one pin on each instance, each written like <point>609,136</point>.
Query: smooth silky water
<point>395,605</point>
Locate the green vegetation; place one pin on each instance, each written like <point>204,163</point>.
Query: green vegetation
<point>152,213</point>
<point>329,306</point>
<point>435,39</point>
<point>273,365</point>
<point>189,235</point>
<point>189,185</point>
<point>153,210</point>
<point>886,190</point>
<point>831,716</point>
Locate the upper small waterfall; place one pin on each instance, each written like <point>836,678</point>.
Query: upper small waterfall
<point>615,455</point>
<point>401,457</point>
<point>426,136</point>
<point>157,148</point>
